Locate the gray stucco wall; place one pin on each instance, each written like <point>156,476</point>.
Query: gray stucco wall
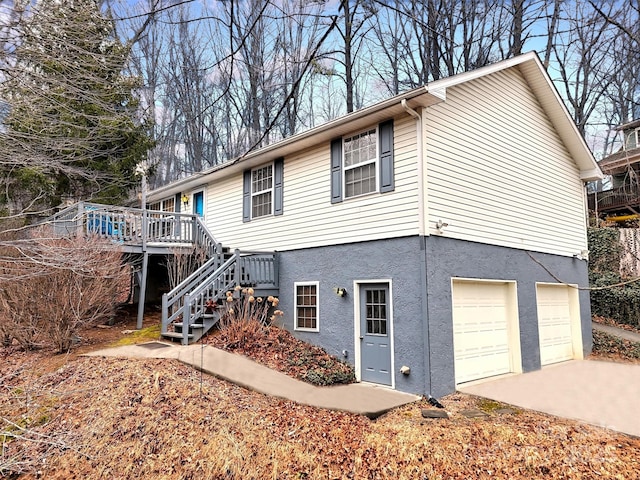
<point>415,265</point>
<point>449,258</point>
<point>341,265</point>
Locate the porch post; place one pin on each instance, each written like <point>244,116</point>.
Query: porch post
<point>143,289</point>
<point>145,254</point>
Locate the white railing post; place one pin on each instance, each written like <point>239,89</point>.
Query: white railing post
<point>186,319</point>
<point>165,314</point>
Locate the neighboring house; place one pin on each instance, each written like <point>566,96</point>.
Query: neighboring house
<point>618,198</point>
<point>427,231</point>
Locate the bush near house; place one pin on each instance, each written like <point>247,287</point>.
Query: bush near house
<point>52,287</point>
<point>622,303</point>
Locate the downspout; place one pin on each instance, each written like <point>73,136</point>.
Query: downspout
<point>423,245</point>
<point>419,147</point>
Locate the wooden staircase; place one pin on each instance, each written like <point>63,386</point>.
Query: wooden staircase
<point>186,315</point>
<point>196,305</point>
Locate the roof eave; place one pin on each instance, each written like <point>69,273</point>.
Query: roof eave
<point>417,98</point>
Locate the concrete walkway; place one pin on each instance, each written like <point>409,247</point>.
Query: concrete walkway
<point>363,399</point>
<point>605,394</point>
<point>617,332</point>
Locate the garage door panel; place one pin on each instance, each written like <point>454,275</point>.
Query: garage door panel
<point>554,324</point>
<point>481,329</point>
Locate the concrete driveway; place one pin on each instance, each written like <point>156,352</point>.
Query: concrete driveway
<point>605,394</point>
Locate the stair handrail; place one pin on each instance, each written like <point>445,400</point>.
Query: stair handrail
<point>191,290</point>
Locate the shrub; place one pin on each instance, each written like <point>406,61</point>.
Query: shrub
<point>246,316</point>
<point>621,303</point>
<point>51,287</point>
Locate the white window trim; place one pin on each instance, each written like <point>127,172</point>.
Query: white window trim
<point>161,204</point>
<point>375,161</point>
<point>295,306</point>
<point>272,189</point>
<point>636,133</point>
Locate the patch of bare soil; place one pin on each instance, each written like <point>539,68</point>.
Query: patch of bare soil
<point>90,418</point>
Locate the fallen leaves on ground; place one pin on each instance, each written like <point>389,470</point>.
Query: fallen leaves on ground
<point>65,417</point>
<point>159,419</point>
<point>610,347</point>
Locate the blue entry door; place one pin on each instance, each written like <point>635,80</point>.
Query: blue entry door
<point>198,203</point>
<point>375,335</point>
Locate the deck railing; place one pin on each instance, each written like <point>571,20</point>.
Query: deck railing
<point>133,226</point>
<point>614,199</point>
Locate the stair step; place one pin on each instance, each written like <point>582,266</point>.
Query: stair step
<point>193,325</point>
<point>176,335</point>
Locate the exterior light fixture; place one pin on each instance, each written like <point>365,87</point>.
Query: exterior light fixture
<point>340,291</point>
<point>185,200</point>
<point>440,226</point>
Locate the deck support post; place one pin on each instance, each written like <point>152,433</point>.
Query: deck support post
<point>143,289</point>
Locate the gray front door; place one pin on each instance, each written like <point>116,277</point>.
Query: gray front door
<point>375,335</point>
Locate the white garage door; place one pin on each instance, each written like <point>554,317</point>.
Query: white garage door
<point>483,328</point>
<point>554,323</point>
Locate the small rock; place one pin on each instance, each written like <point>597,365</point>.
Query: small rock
<point>426,413</point>
<point>127,332</point>
<point>505,411</point>
<point>474,413</point>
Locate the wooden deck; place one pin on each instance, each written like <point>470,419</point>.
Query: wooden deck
<point>135,229</point>
<point>618,199</point>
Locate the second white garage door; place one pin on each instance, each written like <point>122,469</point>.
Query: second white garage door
<point>557,323</point>
<point>485,329</point>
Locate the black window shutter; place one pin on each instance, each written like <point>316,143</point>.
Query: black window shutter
<point>336,170</point>
<point>385,131</point>
<point>246,196</point>
<point>278,177</point>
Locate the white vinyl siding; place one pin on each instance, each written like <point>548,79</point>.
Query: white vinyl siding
<point>497,171</point>
<point>310,219</point>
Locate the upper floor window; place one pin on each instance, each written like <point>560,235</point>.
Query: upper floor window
<point>632,139</point>
<point>261,191</point>
<point>362,163</point>
<point>166,205</point>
